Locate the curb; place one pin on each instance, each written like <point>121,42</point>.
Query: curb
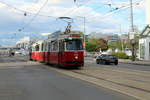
<point>134,63</point>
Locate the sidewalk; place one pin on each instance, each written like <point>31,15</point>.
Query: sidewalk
<point>127,61</point>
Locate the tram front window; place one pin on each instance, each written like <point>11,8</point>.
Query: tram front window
<point>74,45</point>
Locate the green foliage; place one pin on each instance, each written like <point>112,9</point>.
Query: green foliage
<point>91,45</point>
<point>115,45</point>
<point>121,55</point>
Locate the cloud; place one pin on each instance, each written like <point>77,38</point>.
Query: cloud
<point>45,34</point>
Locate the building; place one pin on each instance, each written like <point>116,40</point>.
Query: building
<point>25,43</point>
<point>144,51</point>
<point>144,42</point>
<point>112,37</point>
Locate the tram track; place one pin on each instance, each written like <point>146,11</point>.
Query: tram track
<point>128,89</point>
<point>92,76</point>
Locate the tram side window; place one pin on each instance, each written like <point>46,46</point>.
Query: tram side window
<point>49,46</point>
<point>42,47</point>
<point>61,45</point>
<point>45,46</point>
<point>37,48</point>
<point>54,46</point>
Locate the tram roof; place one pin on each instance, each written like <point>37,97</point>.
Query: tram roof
<point>61,35</point>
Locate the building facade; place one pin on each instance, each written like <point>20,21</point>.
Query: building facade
<point>25,43</point>
<point>144,48</point>
<point>144,42</point>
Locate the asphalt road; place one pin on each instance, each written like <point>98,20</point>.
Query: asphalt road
<point>36,82</point>
<point>90,62</point>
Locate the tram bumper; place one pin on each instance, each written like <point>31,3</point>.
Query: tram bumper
<point>74,63</point>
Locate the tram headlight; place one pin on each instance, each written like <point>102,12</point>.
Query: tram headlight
<point>76,57</point>
<point>69,38</point>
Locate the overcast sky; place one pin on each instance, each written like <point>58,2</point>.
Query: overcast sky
<point>100,15</point>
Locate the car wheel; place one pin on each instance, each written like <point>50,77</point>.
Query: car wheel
<point>97,62</point>
<point>116,63</point>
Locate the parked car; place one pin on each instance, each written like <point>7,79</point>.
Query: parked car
<point>106,59</point>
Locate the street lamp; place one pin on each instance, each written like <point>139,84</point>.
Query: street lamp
<point>133,41</point>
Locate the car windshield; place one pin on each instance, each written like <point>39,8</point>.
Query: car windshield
<point>111,56</point>
<point>75,44</point>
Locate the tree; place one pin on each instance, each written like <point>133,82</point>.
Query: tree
<point>102,44</point>
<point>95,44</point>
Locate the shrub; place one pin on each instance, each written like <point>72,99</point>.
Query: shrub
<point>121,55</point>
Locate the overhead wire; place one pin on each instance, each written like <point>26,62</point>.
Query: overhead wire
<point>115,10</point>
<point>87,3</point>
<point>23,11</point>
<point>77,7</point>
<point>34,17</point>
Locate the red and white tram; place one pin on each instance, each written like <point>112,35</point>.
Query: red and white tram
<point>38,52</point>
<point>60,49</point>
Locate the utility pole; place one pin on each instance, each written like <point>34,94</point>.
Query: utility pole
<point>84,31</point>
<point>122,41</point>
<point>131,12</point>
<point>133,42</point>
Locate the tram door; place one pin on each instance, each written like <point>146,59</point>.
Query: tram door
<point>61,51</point>
<point>54,52</point>
<point>47,47</point>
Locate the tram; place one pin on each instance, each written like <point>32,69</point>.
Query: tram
<point>64,49</point>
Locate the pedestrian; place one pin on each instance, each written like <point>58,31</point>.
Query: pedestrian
<point>30,53</point>
<point>10,52</point>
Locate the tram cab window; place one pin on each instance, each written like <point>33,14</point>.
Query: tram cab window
<point>75,44</point>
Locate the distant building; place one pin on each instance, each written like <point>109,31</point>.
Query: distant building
<point>106,36</point>
<point>98,35</point>
<point>113,37</point>
<point>124,37</point>
<point>25,42</point>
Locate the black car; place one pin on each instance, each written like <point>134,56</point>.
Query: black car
<point>106,59</point>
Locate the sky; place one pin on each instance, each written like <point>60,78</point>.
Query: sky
<point>42,16</point>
